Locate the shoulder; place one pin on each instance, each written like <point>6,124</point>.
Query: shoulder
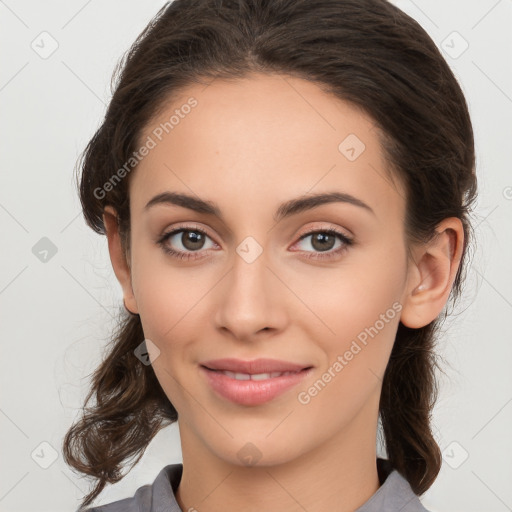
<point>150,497</point>
<point>395,493</point>
<point>400,496</point>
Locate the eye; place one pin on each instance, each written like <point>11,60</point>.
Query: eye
<point>323,240</point>
<point>189,238</point>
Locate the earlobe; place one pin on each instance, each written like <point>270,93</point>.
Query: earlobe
<point>118,258</point>
<point>432,273</point>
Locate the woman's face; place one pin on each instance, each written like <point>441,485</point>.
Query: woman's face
<point>261,279</point>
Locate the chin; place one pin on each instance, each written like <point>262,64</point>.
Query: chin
<point>258,451</point>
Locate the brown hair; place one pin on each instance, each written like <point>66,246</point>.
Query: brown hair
<point>366,52</point>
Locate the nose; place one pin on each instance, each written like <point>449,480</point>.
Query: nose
<point>251,299</point>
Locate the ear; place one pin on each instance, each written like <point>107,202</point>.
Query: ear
<point>118,258</point>
<point>431,274</point>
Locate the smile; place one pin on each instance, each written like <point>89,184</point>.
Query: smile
<point>252,389</point>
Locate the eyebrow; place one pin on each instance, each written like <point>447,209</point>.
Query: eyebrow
<point>287,209</point>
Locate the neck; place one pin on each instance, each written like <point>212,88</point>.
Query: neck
<point>341,474</point>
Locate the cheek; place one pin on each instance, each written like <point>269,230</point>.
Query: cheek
<point>172,310</point>
<point>166,295</point>
<point>353,367</point>
<point>359,309</point>
<point>356,295</point>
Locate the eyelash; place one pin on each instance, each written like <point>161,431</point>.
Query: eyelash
<point>347,242</point>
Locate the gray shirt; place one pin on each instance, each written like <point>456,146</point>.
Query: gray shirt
<point>393,495</point>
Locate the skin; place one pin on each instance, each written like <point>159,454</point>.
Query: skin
<point>248,146</point>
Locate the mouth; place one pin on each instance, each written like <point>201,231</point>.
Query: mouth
<point>252,382</point>
<point>254,376</point>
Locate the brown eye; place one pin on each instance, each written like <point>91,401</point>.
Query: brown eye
<point>183,242</point>
<point>323,241</point>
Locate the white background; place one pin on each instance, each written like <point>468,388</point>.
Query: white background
<point>56,316</point>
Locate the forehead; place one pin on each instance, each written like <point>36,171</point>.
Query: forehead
<point>266,138</point>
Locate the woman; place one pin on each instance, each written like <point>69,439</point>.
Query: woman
<point>285,188</point>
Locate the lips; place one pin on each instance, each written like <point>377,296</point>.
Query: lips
<point>252,382</point>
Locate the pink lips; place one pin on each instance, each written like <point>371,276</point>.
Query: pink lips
<point>252,392</point>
